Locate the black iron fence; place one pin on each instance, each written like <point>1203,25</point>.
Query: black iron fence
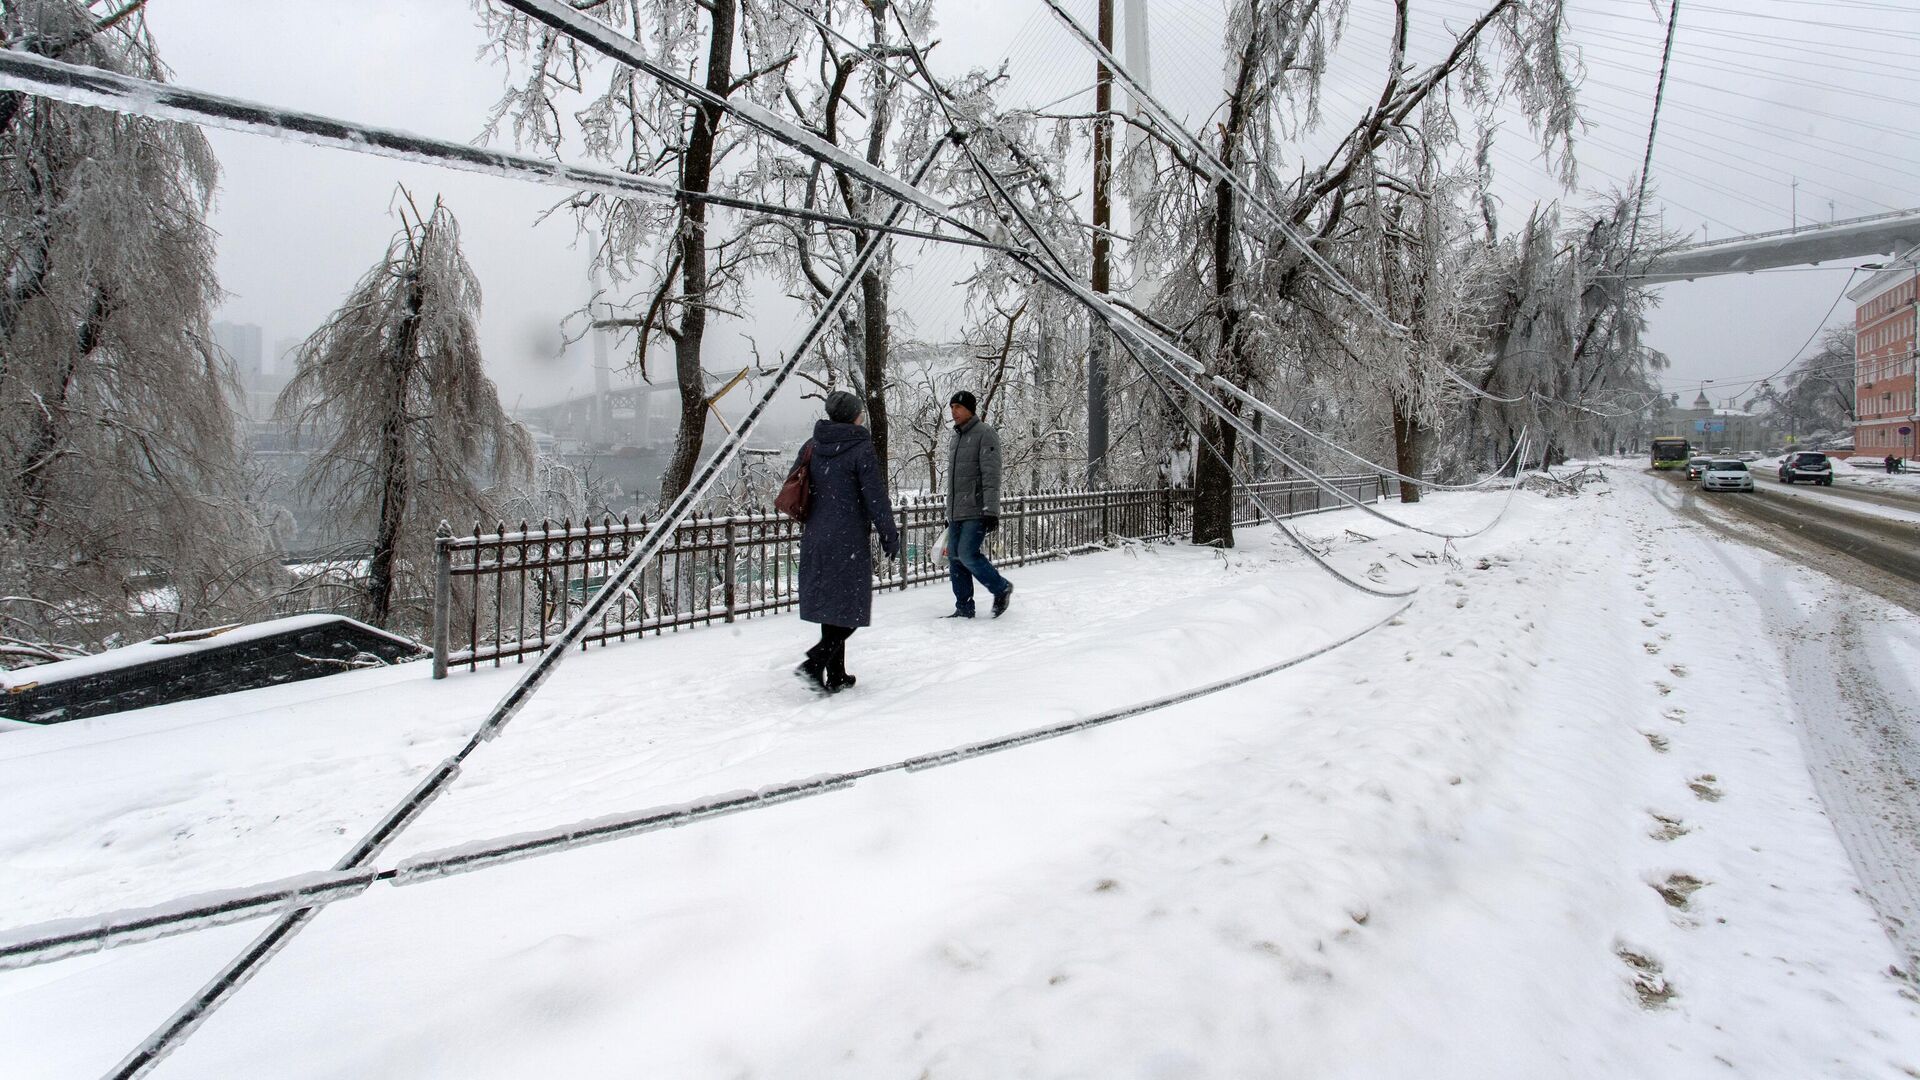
<point>503,595</point>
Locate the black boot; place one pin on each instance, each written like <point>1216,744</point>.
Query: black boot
<point>813,670</point>
<point>836,678</point>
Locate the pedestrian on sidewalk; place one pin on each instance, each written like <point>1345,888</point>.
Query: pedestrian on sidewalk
<point>973,508</point>
<point>848,501</point>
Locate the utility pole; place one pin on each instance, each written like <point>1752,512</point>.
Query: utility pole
<point>1098,342</point>
<point>1795,188</point>
<point>597,419</point>
<point>1140,177</point>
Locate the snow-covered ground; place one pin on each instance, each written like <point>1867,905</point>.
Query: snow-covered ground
<point>1555,821</point>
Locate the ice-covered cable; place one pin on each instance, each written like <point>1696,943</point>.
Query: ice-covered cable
<point>1287,531</point>
<point>75,84</point>
<point>263,948</point>
<point>66,938</point>
<point>1477,392</point>
<point>1275,414</point>
<point>1055,268</point>
<point>1218,171</point>
<point>609,42</point>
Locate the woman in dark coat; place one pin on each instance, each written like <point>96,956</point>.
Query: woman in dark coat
<point>836,557</point>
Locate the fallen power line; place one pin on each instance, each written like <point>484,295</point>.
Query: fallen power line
<point>66,938</point>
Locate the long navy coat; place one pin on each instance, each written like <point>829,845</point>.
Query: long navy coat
<point>849,497</point>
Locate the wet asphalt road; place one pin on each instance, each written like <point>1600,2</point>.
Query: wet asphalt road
<point>1879,554</point>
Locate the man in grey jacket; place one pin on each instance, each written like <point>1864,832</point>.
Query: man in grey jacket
<point>973,509</point>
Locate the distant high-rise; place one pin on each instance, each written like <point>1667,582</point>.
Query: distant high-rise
<point>283,358</point>
<point>243,346</point>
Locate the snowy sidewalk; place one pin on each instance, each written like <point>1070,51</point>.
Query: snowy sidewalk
<point>1428,853</point>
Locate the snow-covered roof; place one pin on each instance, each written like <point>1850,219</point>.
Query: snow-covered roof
<point>172,646</point>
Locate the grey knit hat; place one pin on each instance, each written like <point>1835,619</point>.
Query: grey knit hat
<point>842,407</point>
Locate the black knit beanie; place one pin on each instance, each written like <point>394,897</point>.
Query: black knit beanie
<point>963,398</point>
<point>842,407</point>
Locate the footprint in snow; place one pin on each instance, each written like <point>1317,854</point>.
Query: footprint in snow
<point>1649,622</point>
<point>1650,985</point>
<point>1663,688</point>
<point>1669,829</point>
<point>1679,670</point>
<point>1676,714</point>
<point>1656,740</point>
<point>1678,890</point>
<point>1652,647</point>
<point>1703,787</point>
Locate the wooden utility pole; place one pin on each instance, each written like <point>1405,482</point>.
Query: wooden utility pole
<point>1098,342</point>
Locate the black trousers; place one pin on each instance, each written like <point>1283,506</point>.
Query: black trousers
<point>832,650</point>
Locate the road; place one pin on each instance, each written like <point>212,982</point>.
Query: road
<point>1894,499</point>
<point>1848,662</point>
<point>1869,548</point>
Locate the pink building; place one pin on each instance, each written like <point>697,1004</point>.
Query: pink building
<point>1884,349</point>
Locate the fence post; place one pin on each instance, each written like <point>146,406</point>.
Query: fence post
<point>442,597</point>
<point>903,522</point>
<point>730,570</point>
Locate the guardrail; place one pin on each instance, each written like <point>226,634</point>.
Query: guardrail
<point>502,595</point>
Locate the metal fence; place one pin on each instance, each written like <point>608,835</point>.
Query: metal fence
<point>503,595</point>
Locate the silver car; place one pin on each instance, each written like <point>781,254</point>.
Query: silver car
<point>1726,474</point>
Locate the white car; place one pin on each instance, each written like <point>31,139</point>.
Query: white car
<point>1726,474</point>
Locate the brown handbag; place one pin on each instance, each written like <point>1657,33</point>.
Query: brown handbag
<point>796,495</point>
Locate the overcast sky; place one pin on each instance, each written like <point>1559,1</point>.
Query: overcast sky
<point>1778,90</point>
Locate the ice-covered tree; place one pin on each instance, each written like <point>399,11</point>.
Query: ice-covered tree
<point>1565,312</point>
<point>847,90</point>
<point>1246,289</point>
<point>1817,394</point>
<point>120,510</point>
<point>410,427</point>
<point>674,265</point>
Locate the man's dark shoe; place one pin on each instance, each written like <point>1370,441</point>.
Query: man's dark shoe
<point>835,684</point>
<point>956,613</point>
<point>1000,602</point>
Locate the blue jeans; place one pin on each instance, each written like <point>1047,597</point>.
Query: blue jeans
<point>966,564</point>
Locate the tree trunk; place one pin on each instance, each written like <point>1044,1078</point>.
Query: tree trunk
<point>878,342</point>
<point>1213,486</point>
<point>1406,449</point>
<point>696,175</point>
<point>1213,477</point>
<point>391,466</point>
<point>48,434</point>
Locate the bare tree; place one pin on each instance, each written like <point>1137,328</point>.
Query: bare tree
<point>120,504</point>
<point>393,384</point>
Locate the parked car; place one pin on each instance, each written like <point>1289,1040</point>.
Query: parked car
<point>1806,465</point>
<point>1748,455</point>
<point>1696,466</point>
<point>1726,474</point>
